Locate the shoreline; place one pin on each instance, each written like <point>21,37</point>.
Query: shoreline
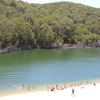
<point>65,46</point>
<point>83,92</point>
<point>51,87</point>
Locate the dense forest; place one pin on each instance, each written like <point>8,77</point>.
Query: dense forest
<point>27,26</point>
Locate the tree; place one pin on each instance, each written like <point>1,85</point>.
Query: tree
<point>45,37</point>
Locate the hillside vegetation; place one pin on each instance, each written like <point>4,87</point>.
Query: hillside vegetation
<point>27,26</point>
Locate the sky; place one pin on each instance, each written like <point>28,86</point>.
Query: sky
<point>93,3</point>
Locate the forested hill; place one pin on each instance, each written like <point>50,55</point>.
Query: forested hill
<point>27,26</point>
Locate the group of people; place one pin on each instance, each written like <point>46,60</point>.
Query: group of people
<point>28,87</point>
<point>62,88</point>
<point>57,87</point>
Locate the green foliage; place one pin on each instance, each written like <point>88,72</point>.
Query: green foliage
<point>26,26</point>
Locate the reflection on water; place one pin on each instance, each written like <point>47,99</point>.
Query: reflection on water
<point>40,67</point>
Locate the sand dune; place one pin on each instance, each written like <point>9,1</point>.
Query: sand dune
<point>81,93</point>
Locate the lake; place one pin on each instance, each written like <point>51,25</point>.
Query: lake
<point>48,66</point>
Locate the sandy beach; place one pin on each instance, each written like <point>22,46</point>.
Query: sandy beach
<point>81,92</point>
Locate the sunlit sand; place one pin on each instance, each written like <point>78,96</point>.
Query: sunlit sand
<point>82,92</point>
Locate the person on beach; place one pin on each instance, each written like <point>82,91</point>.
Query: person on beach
<point>57,87</point>
<point>94,84</point>
<point>23,87</point>
<point>52,89</point>
<point>73,92</point>
<point>28,88</point>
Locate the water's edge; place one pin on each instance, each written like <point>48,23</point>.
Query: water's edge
<point>49,87</point>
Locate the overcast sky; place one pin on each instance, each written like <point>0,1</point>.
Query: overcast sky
<point>93,3</point>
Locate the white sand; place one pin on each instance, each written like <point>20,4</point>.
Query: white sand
<point>86,92</point>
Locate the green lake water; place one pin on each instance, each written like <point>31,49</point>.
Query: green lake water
<point>48,66</point>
